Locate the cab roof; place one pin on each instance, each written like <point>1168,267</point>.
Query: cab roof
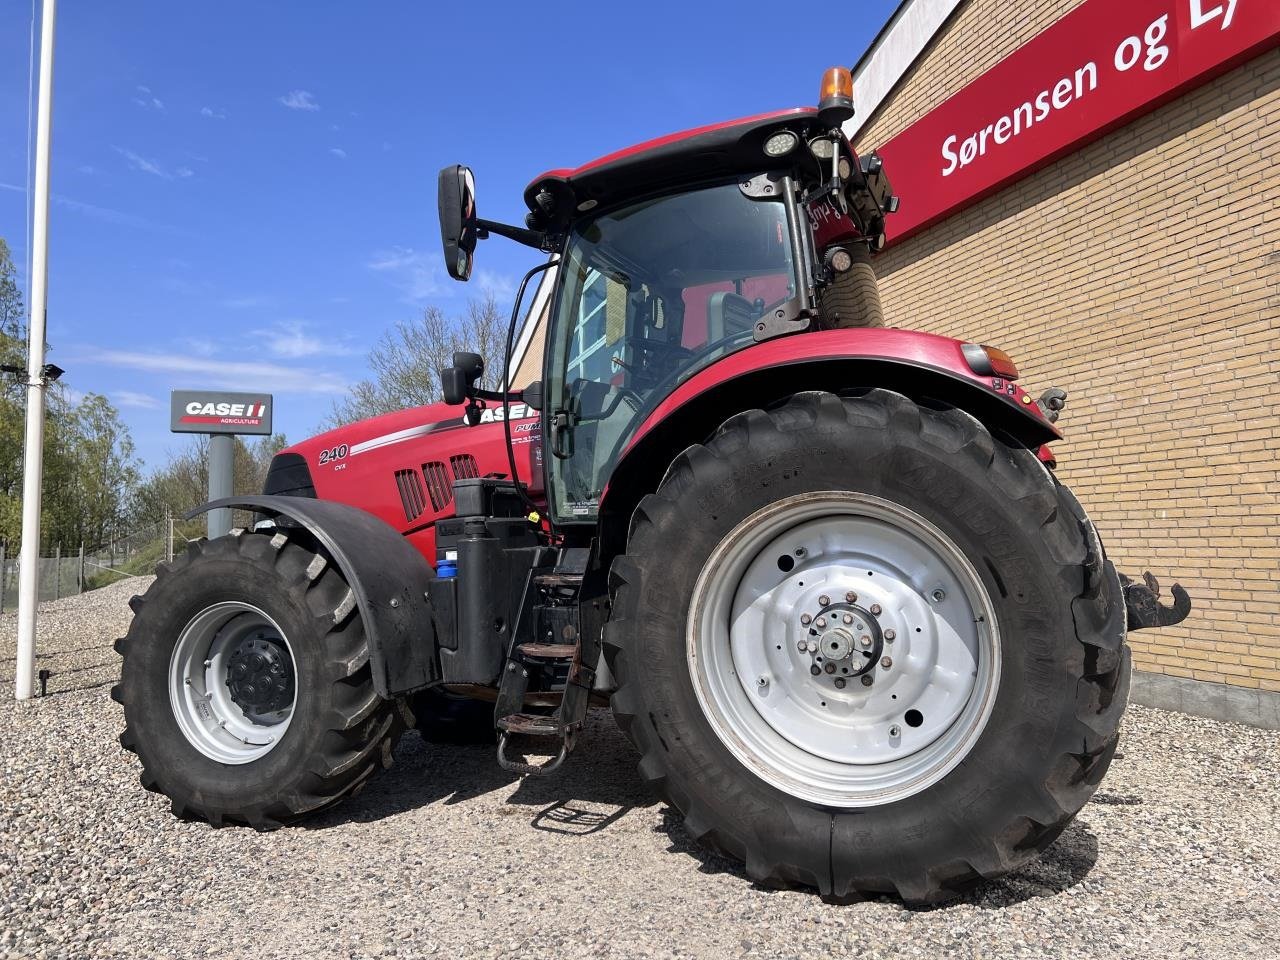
<point>721,149</point>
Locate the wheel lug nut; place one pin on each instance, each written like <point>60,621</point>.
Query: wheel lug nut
<point>850,597</point>
<point>815,670</point>
<point>895,730</point>
<point>806,619</point>
<point>830,667</point>
<point>839,683</point>
<point>886,662</point>
<point>866,680</point>
<point>890,635</point>
<point>802,646</point>
<point>875,609</point>
<point>865,641</point>
<point>847,618</point>
<point>821,622</point>
<point>824,600</point>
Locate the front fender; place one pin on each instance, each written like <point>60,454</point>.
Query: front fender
<point>922,366</point>
<point>387,576</point>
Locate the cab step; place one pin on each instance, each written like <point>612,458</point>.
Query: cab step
<point>534,725</point>
<point>548,651</point>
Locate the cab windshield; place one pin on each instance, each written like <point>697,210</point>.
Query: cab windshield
<point>650,294</point>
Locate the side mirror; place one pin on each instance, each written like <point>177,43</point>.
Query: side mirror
<point>459,230</point>
<point>454,386</point>
<point>458,381</point>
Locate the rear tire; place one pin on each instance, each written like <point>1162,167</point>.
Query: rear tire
<point>1058,640</point>
<point>339,732</point>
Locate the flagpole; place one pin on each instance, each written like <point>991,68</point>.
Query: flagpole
<point>33,457</point>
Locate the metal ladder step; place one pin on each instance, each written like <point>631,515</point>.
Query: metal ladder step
<point>558,579</point>
<point>532,725</point>
<point>548,651</point>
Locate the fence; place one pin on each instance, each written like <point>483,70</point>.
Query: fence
<point>66,573</point>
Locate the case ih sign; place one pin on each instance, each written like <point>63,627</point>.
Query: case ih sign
<point>1097,68</point>
<point>202,411</point>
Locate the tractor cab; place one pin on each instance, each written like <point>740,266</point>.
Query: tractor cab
<point>674,254</point>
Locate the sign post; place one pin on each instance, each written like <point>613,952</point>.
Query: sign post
<point>220,416</point>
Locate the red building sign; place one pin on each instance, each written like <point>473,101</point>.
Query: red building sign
<point>1099,67</point>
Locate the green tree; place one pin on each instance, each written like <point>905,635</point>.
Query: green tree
<point>183,482</point>
<point>406,363</point>
<point>90,469</point>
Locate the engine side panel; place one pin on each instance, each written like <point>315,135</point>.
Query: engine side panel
<point>400,467</point>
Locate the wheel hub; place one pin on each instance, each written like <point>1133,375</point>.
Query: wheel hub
<point>260,678</point>
<point>844,641</point>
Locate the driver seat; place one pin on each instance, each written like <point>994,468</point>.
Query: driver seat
<point>728,314</point>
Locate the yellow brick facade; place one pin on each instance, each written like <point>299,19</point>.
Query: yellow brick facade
<point>1142,275</point>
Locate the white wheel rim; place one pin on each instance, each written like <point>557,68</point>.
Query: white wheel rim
<point>199,695</point>
<point>921,625</point>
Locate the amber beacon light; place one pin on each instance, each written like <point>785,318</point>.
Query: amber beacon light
<point>835,99</point>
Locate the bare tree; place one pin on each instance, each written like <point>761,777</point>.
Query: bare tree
<point>406,363</point>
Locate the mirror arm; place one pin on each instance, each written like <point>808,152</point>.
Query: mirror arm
<point>498,396</point>
<point>530,238</point>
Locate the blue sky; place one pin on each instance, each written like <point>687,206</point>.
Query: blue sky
<point>245,192</point>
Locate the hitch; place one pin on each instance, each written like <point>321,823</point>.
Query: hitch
<point>1143,606</point>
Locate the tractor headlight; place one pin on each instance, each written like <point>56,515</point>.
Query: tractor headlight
<point>780,144</point>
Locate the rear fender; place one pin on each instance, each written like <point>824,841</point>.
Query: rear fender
<point>387,576</point>
<point>925,367</point>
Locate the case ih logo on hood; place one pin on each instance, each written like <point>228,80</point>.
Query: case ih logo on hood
<point>517,411</point>
<point>199,411</point>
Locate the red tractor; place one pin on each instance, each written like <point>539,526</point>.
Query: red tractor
<point>822,571</point>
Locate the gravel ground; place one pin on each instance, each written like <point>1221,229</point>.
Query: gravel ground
<point>447,855</point>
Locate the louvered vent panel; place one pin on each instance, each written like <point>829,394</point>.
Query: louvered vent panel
<point>411,497</point>
<point>439,486</point>
<point>464,466</point>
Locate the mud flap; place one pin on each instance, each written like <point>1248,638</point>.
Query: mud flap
<point>1143,607</point>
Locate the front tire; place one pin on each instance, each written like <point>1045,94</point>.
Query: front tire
<point>246,685</point>
<point>955,750</point>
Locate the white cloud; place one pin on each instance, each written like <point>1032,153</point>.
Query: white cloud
<point>146,101</point>
<point>225,374</point>
<point>214,113</point>
<point>200,346</point>
<point>131,398</point>
<point>105,213</point>
<point>500,285</point>
<point>290,340</point>
<point>137,162</point>
<point>300,100</point>
<point>87,169</point>
<point>185,172</point>
<point>418,275</point>
<point>338,152</point>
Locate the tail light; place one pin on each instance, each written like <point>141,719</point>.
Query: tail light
<point>989,361</point>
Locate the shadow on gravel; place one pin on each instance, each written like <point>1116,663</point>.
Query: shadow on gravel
<point>596,786</point>
<point>1065,864</point>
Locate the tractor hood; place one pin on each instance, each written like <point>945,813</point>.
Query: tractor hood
<point>401,466</point>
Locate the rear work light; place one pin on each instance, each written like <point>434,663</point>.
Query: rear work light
<point>989,361</point>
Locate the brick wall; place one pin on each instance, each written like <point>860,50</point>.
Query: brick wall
<point>1142,275</point>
